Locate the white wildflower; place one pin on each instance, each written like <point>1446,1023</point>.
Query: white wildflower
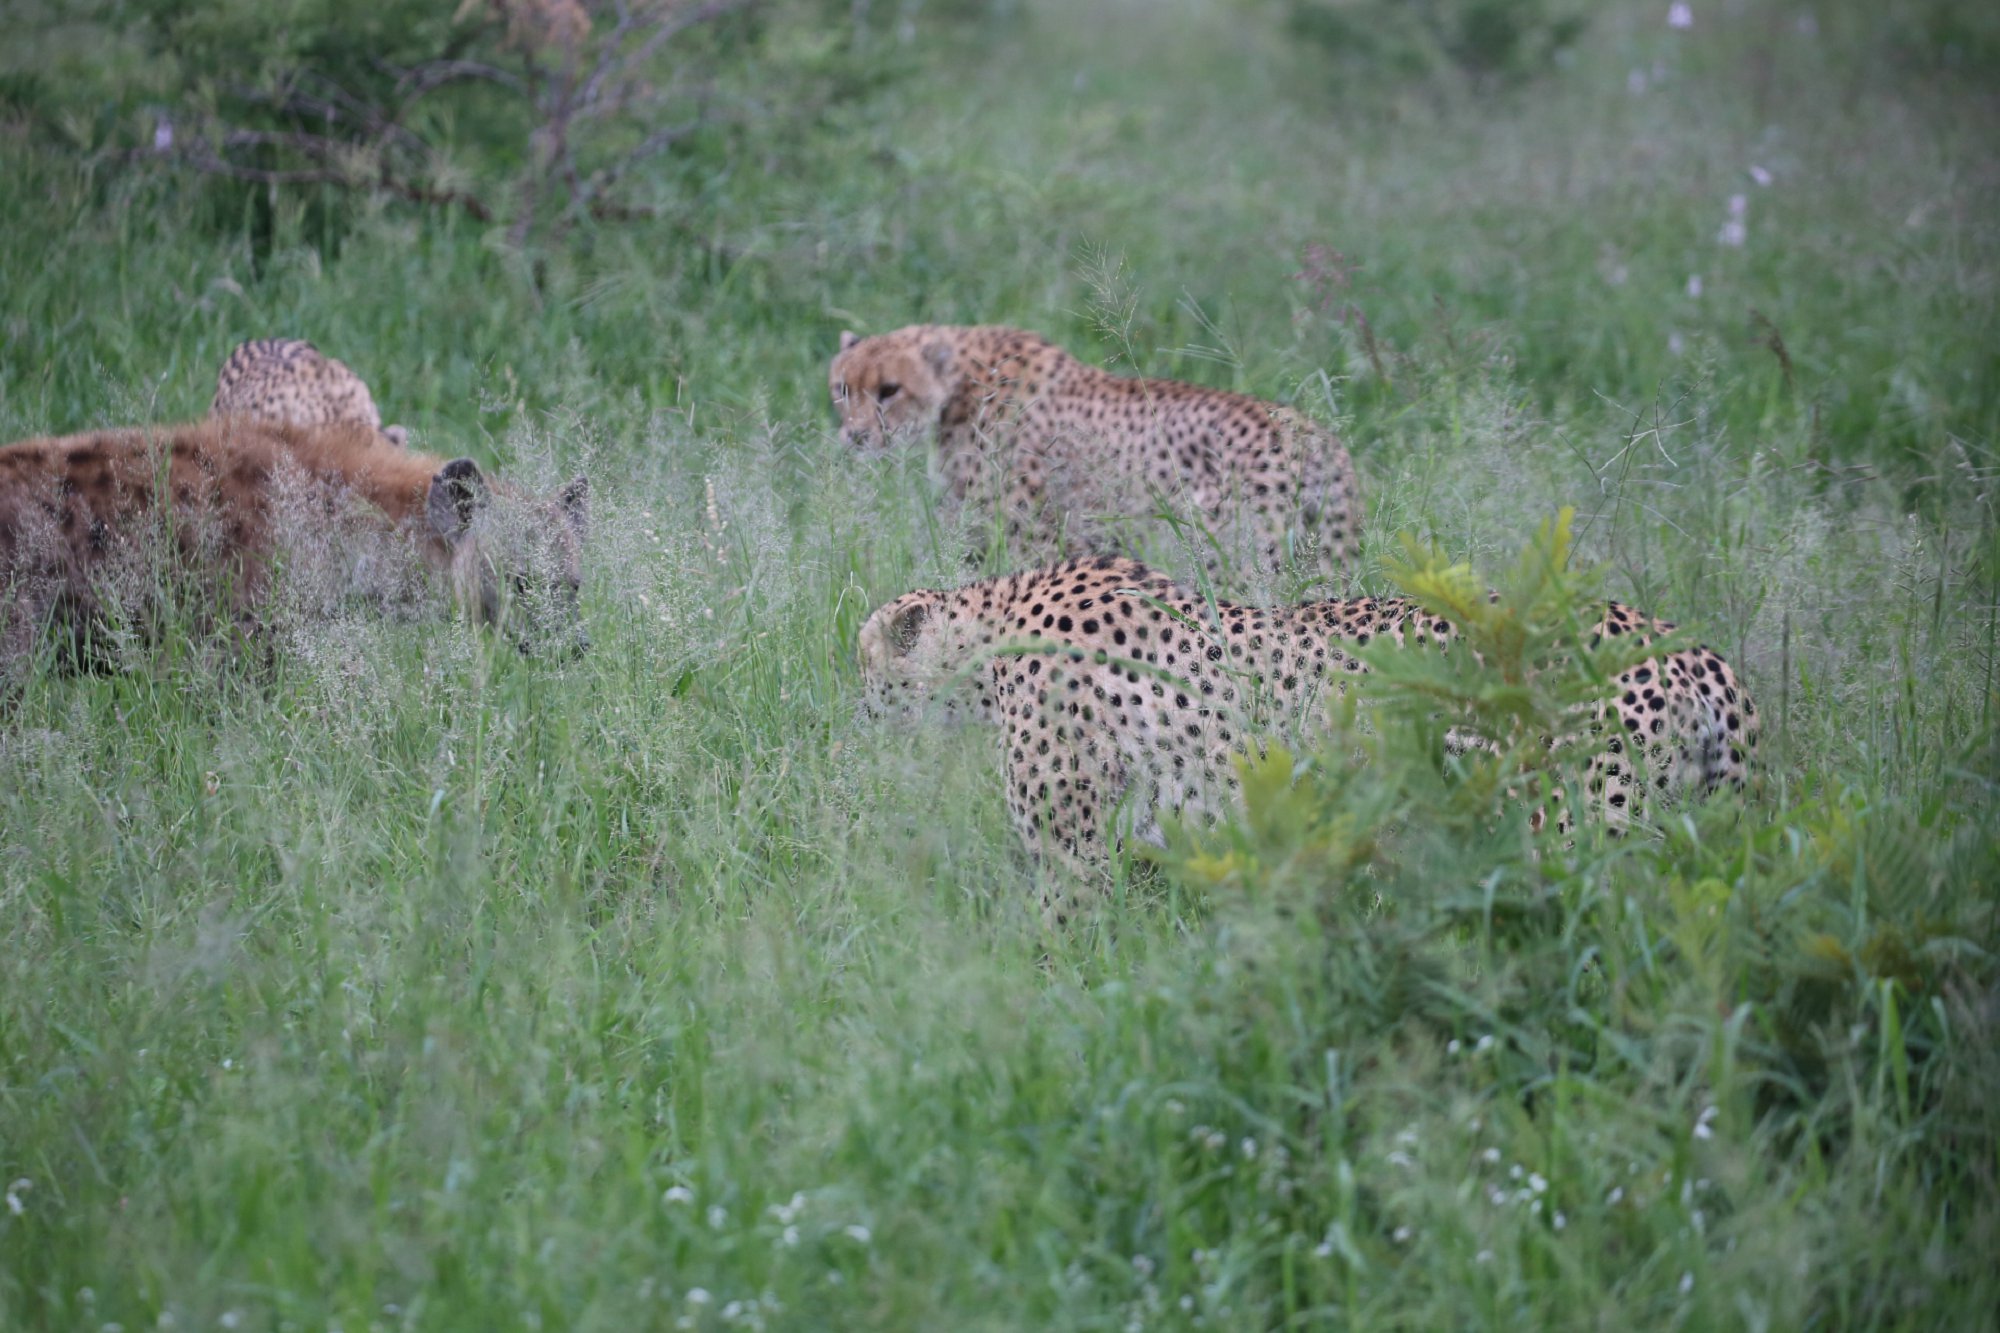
<point>1687,1283</point>
<point>1561,1221</point>
<point>1736,230</point>
<point>857,1233</point>
<point>1694,286</point>
<point>718,1217</point>
<point>1680,15</point>
<point>1617,1193</point>
<point>1402,1235</point>
<point>1490,1156</point>
<point>1400,1158</point>
<point>790,1236</point>
<point>698,1296</point>
<point>1759,174</point>
<point>677,1194</point>
<point>1537,1183</point>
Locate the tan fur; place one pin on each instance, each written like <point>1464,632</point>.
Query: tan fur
<point>1105,678</point>
<point>1061,451</point>
<point>72,507</point>
<point>289,381</point>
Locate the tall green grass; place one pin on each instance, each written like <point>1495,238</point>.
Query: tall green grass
<point>401,982</point>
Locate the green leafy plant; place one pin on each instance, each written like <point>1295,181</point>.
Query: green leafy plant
<point>1487,42</point>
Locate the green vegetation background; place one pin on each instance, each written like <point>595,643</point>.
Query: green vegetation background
<point>412,985</point>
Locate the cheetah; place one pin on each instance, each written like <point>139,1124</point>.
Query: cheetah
<point>1063,451</point>
<point>1111,685</point>
<point>224,499</point>
<point>289,380</point>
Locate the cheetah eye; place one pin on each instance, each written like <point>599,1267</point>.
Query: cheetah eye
<point>884,392</point>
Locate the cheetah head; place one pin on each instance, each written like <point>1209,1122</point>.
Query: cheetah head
<point>913,651</point>
<point>516,559</point>
<point>891,386</point>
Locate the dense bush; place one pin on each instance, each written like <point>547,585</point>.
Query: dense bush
<point>534,113</point>
<point>1488,42</point>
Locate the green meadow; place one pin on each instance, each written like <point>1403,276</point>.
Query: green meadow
<point>398,981</point>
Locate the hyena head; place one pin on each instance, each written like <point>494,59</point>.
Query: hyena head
<point>516,559</point>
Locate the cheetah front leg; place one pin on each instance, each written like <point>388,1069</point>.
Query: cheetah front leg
<point>1063,783</point>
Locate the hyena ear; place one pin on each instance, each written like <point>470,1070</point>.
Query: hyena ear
<point>938,355</point>
<point>456,493</point>
<point>575,502</point>
<point>848,337</point>
<point>397,435</point>
<point>906,626</point>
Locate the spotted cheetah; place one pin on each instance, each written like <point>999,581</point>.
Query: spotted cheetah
<point>1111,684</point>
<point>289,380</point>
<point>223,497</point>
<point>1063,451</point>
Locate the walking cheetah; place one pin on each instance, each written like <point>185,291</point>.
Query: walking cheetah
<point>222,498</point>
<point>289,380</point>
<point>1061,451</point>
<point>1108,682</point>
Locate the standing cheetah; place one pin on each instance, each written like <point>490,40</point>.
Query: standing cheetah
<point>1108,682</point>
<point>1061,450</point>
<point>289,380</point>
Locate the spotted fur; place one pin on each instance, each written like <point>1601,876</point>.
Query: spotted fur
<point>288,380</point>
<point>223,495</point>
<point>1062,451</point>
<point>1110,684</point>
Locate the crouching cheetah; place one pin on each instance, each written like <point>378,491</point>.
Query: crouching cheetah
<point>224,500</point>
<point>1111,684</point>
<point>290,381</point>
<point>1060,450</point>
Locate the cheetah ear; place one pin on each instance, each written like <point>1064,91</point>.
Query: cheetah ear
<point>848,337</point>
<point>906,626</point>
<point>939,356</point>
<point>397,435</point>
<point>457,492</point>
<point>575,501</point>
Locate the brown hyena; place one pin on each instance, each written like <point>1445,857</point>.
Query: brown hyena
<point>222,499</point>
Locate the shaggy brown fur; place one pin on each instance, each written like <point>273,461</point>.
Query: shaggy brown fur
<point>224,493</point>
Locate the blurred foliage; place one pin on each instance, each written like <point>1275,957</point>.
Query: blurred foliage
<point>1849,941</point>
<point>1488,42</point>
<point>531,112</point>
